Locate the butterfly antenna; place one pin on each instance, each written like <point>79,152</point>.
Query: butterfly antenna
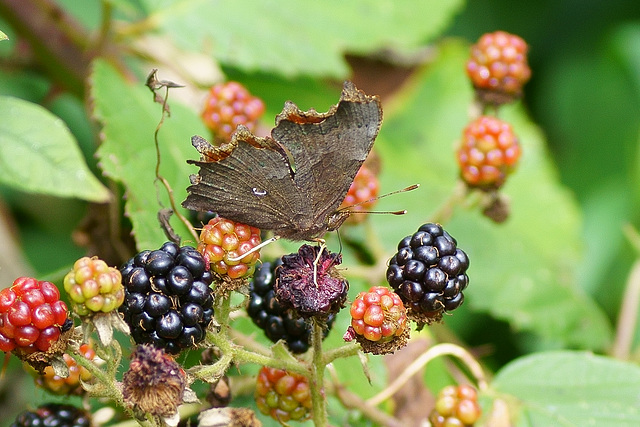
<point>254,249</point>
<point>402,212</point>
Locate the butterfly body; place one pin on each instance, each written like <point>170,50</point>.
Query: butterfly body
<point>293,181</point>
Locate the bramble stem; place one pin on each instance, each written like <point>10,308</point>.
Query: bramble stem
<point>317,377</point>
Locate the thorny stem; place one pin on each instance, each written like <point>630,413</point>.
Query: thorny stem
<point>318,398</point>
<point>435,351</point>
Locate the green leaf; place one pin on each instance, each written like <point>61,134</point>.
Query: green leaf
<point>292,38</point>
<point>567,388</point>
<point>38,154</point>
<point>127,154</point>
<point>522,271</point>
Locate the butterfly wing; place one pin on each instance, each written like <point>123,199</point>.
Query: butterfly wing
<point>329,148</point>
<point>249,180</point>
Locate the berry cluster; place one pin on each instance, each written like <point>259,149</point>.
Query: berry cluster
<point>378,315</point>
<point>223,240</point>
<point>498,67</point>
<point>94,287</point>
<point>361,195</point>
<point>53,415</point>
<point>229,105</point>
<point>168,301</point>
<point>456,406</point>
<point>71,384</point>
<point>32,316</point>
<point>429,273</point>
<point>488,154</point>
<point>277,321</point>
<point>283,395</point>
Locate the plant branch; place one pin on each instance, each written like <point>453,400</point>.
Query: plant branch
<point>426,357</point>
<point>628,316</point>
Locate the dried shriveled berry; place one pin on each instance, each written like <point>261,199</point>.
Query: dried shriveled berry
<point>310,284</point>
<point>277,321</point>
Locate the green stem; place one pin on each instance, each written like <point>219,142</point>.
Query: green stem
<point>347,350</point>
<point>317,378</point>
<point>112,391</point>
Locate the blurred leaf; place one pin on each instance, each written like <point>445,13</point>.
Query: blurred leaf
<point>127,154</point>
<point>300,38</point>
<point>570,389</point>
<point>40,155</point>
<point>523,271</point>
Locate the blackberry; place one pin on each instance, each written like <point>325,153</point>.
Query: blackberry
<point>94,287</point>
<point>32,316</point>
<point>498,67</point>
<point>283,395</point>
<point>378,321</point>
<point>429,273</point>
<point>228,105</point>
<point>168,301</point>
<point>53,415</point>
<point>277,321</point>
<point>223,240</point>
<point>362,194</point>
<point>71,384</point>
<point>488,153</point>
<point>456,406</point>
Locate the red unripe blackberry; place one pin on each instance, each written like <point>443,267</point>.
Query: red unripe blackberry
<point>53,415</point>
<point>71,384</point>
<point>489,152</point>
<point>456,406</point>
<point>31,316</point>
<point>94,287</point>
<point>228,105</point>
<point>168,301</point>
<point>222,239</point>
<point>498,67</point>
<point>378,315</point>
<point>429,273</point>
<point>363,190</point>
<point>283,395</point>
<point>278,321</point>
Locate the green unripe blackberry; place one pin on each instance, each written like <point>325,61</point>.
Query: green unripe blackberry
<point>283,395</point>
<point>94,287</point>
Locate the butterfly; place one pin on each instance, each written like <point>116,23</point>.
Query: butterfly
<point>293,181</point>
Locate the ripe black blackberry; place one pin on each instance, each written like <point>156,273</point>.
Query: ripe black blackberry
<point>429,273</point>
<point>53,415</point>
<point>168,301</point>
<point>277,321</point>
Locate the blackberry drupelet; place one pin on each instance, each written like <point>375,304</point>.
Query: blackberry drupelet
<point>277,321</point>
<point>168,301</point>
<point>429,273</point>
